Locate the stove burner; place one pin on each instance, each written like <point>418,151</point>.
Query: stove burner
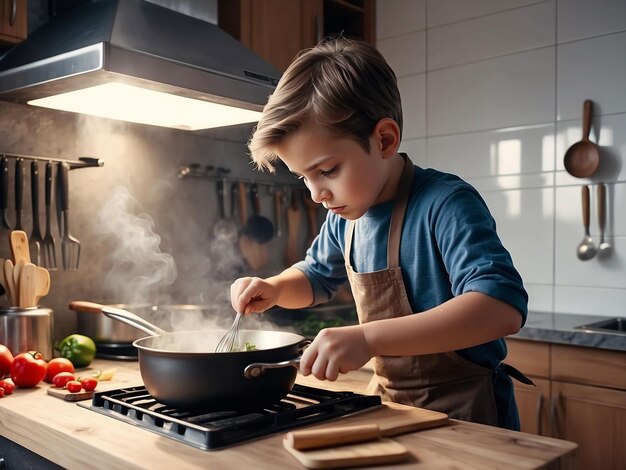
<point>209,430</point>
<point>119,351</point>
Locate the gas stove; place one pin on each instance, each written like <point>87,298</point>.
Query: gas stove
<point>210,430</point>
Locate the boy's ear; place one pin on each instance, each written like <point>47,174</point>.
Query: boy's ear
<point>387,137</point>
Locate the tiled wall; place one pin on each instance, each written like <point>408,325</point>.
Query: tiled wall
<point>493,91</point>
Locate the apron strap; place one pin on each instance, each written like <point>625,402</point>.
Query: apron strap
<point>397,218</point>
<point>516,374</point>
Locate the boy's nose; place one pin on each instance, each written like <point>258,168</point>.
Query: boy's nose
<point>318,194</point>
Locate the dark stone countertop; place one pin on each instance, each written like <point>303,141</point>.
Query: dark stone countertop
<point>560,328</point>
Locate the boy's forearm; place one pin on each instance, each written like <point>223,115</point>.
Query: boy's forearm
<point>295,290</point>
<point>468,320</point>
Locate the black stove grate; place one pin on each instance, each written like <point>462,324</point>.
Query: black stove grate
<point>210,430</point>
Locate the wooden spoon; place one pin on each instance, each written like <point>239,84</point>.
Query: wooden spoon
<point>582,159</point>
<point>42,283</point>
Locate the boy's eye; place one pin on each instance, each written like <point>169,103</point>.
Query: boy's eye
<point>330,172</point>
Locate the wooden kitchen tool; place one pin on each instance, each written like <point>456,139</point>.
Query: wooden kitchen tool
<point>583,158</point>
<point>27,285</point>
<point>19,246</point>
<point>42,283</point>
<point>357,441</point>
<point>66,395</point>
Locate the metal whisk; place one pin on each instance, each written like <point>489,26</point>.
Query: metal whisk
<point>230,342</point>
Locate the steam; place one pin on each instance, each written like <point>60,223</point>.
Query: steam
<point>140,270</point>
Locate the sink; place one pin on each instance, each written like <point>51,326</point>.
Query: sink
<point>616,325</point>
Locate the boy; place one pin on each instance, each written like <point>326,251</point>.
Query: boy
<point>435,289</point>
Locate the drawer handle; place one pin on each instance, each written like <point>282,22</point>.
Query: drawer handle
<point>554,417</point>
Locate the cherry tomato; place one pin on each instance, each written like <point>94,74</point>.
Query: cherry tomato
<point>73,386</point>
<point>89,383</point>
<point>56,365</point>
<point>5,360</point>
<point>27,370</point>
<point>8,386</point>
<point>62,378</point>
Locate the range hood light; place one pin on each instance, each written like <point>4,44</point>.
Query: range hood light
<point>140,105</point>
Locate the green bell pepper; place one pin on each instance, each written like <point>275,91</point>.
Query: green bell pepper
<point>79,349</point>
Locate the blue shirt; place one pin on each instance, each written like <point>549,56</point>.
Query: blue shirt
<point>449,246</point>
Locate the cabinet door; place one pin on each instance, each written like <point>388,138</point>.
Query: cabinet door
<point>13,25</point>
<point>594,418</point>
<point>278,29</point>
<point>533,406</point>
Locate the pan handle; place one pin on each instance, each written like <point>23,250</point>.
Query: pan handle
<point>252,371</point>
<point>133,320</point>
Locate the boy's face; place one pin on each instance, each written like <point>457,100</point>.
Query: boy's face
<point>340,173</point>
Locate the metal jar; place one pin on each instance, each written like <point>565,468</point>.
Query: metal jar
<point>27,329</point>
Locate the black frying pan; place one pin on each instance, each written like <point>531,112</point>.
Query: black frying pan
<point>183,371</point>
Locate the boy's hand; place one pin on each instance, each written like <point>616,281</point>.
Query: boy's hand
<point>252,295</point>
<point>335,350</point>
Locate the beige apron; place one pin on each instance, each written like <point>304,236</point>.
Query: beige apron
<point>443,382</point>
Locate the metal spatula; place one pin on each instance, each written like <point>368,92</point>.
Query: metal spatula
<point>70,245</point>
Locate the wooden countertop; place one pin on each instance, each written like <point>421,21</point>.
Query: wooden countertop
<point>75,437</point>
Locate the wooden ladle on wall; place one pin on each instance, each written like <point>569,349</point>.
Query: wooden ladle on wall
<point>582,159</point>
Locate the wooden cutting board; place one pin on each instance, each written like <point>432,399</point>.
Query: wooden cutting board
<point>66,395</point>
<point>337,439</point>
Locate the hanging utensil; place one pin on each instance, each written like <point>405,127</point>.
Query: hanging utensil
<point>10,284</point>
<point>18,241</point>
<point>253,252</point>
<point>36,239</point>
<point>258,227</point>
<point>586,249</point>
<point>311,211</point>
<point>225,228</point>
<point>293,221</point>
<point>70,246</point>
<point>605,247</point>
<point>582,159</point>
<point>4,191</point>
<point>279,198</point>
<point>48,250</point>
<point>19,191</point>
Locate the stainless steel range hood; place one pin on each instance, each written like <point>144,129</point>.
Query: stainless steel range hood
<point>140,44</point>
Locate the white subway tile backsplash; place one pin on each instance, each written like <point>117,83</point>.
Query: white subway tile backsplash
<point>413,93</point>
<point>589,301</point>
<point>405,54</point>
<point>532,254</point>
<point>394,17</point>
<point>416,150</point>
<point>496,96</point>
<point>540,297</point>
<point>491,36</point>
<point>580,19</point>
<point>450,11</point>
<point>503,152</point>
<point>508,91</point>
<point>593,69</point>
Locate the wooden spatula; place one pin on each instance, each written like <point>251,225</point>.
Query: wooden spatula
<point>42,283</point>
<point>19,246</point>
<point>27,285</point>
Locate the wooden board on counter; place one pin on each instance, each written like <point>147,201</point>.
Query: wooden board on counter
<point>66,395</point>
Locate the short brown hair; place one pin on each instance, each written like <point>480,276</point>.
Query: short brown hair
<point>345,85</point>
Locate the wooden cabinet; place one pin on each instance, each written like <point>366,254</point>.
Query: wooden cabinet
<point>580,396</point>
<point>278,29</point>
<point>13,25</point>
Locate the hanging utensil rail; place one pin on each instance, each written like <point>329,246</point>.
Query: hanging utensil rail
<point>82,162</point>
<point>210,172</point>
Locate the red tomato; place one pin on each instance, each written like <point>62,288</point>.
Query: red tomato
<point>89,383</point>
<point>56,365</point>
<point>73,386</point>
<point>8,386</point>
<point>1,392</point>
<point>62,378</point>
<point>5,360</point>
<point>27,370</point>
